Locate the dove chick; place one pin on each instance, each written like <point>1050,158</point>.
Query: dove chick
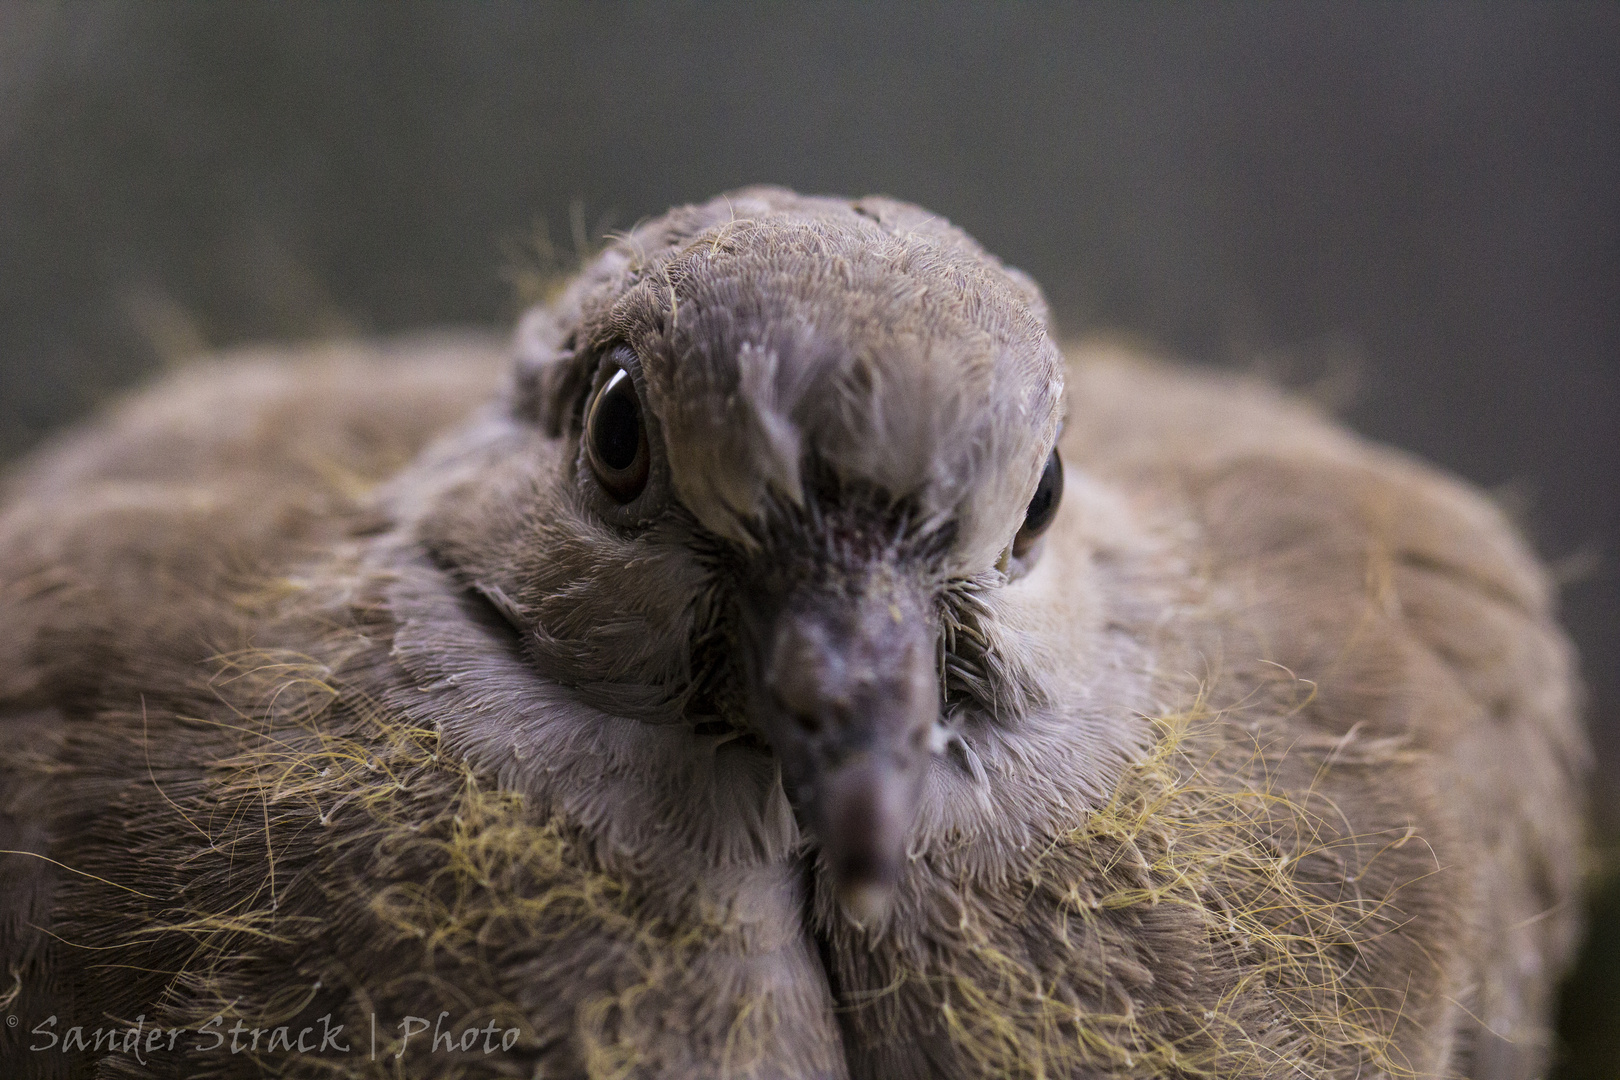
<point>783,661</point>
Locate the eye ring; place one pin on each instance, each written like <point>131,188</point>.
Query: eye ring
<point>616,439</point>
<point>1043,505</point>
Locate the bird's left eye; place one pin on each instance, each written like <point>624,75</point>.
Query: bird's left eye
<point>616,438</point>
<point>1043,507</point>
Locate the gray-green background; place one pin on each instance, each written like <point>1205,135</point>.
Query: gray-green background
<point>1426,197</point>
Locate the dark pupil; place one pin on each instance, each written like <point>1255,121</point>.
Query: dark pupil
<point>617,431</point>
<point>1044,504</point>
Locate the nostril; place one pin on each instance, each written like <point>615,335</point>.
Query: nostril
<point>808,722</point>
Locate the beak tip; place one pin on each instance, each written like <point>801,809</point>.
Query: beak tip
<point>865,902</point>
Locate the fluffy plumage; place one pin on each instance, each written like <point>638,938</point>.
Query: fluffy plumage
<point>334,683</point>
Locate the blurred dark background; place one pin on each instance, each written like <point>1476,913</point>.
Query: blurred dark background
<point>1417,203</point>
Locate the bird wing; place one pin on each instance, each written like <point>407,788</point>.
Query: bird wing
<point>1417,614</point>
<point>126,549</point>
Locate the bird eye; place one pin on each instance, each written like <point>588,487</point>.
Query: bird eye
<point>1043,507</point>
<point>616,439</point>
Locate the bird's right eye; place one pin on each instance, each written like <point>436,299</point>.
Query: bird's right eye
<point>616,438</point>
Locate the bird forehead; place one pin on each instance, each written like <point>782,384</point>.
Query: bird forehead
<point>899,362</point>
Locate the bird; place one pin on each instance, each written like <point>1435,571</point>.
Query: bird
<point>784,657</point>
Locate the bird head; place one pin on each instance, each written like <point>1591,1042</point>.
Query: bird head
<point>759,467</point>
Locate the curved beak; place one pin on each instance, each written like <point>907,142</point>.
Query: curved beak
<point>845,690</point>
